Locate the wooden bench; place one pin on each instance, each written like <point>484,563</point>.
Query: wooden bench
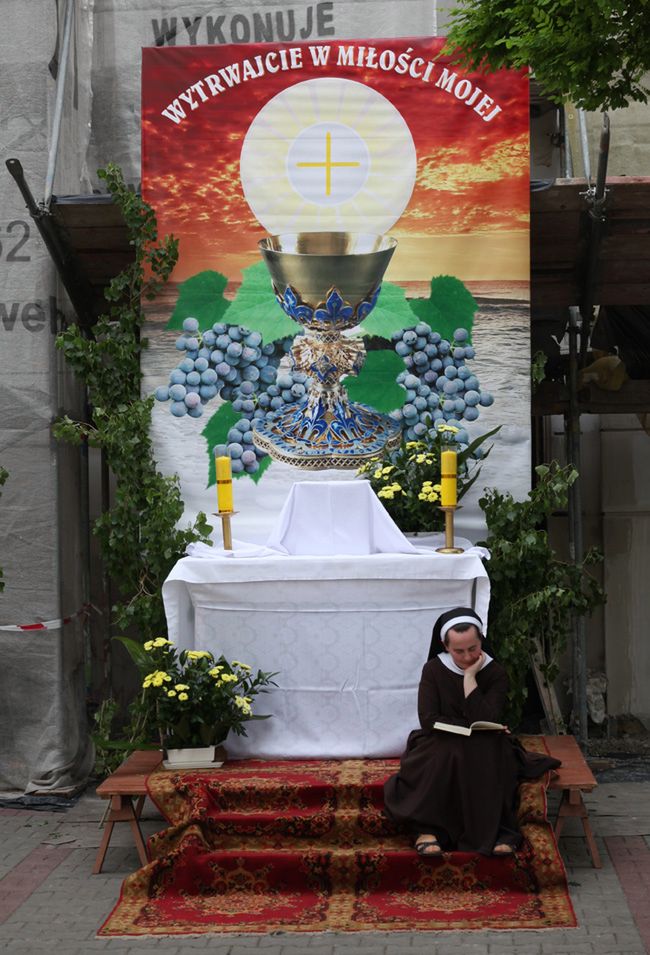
<point>128,782</point>
<point>573,778</point>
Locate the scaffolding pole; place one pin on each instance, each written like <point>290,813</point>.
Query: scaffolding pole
<point>579,723</point>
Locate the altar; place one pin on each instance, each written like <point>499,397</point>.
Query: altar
<point>347,635</point>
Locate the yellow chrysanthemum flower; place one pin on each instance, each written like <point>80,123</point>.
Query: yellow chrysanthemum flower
<point>171,692</point>
<point>244,704</point>
<point>182,697</point>
<point>215,671</point>
<point>181,686</point>
<point>198,654</point>
<point>161,642</point>
<point>148,645</point>
<point>377,473</point>
<point>386,492</point>
<point>387,470</point>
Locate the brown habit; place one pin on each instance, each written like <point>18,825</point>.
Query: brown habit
<point>461,789</point>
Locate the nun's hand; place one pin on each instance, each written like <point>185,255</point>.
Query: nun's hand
<point>475,667</point>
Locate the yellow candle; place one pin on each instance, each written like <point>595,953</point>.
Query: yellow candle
<point>449,468</point>
<point>224,484</point>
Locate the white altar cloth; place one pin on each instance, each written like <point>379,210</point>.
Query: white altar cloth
<point>348,634</point>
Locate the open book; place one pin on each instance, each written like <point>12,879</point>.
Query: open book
<point>468,730</point>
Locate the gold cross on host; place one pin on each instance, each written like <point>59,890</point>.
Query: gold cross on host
<point>328,164</point>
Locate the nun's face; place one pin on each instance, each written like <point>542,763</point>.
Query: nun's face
<point>465,648</point>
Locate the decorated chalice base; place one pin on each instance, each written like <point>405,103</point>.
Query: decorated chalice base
<point>325,429</point>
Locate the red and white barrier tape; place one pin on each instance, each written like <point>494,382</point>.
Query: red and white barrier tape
<point>47,624</point>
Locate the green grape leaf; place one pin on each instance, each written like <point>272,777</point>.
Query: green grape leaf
<point>216,432</point>
<point>375,384</point>
<point>200,297</point>
<point>255,306</point>
<point>390,313</point>
<point>450,306</point>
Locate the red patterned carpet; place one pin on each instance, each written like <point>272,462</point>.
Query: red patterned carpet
<point>303,846</point>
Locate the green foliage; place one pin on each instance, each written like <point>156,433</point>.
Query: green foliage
<point>593,53</point>
<point>375,384</point>
<point>255,306</point>
<point>191,698</point>
<point>407,481</point>
<point>4,474</point>
<point>391,312</point>
<point>201,297</point>
<point>113,746</point>
<point>450,306</point>
<point>538,369</point>
<point>139,537</point>
<point>534,594</point>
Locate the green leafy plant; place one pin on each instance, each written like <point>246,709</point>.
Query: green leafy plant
<point>594,54</point>
<point>407,481</point>
<point>4,474</point>
<point>193,699</point>
<point>538,369</point>
<point>139,536</point>
<point>534,594</point>
<point>112,745</point>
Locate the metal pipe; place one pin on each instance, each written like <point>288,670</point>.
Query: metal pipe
<point>58,104</point>
<point>603,155</point>
<point>596,199</point>
<point>79,290</point>
<point>566,159</point>
<point>576,542</point>
<point>584,146</point>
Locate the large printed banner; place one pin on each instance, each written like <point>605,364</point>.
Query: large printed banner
<point>380,137</point>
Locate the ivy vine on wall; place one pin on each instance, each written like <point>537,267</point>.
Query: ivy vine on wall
<point>139,537</point>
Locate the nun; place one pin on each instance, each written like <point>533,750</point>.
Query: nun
<point>452,791</point>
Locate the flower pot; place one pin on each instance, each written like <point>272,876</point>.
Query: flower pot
<point>195,757</point>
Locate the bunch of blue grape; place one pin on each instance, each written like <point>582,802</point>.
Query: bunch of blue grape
<point>231,361</point>
<point>440,388</point>
<point>218,362</point>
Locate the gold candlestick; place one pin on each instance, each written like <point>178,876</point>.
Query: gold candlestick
<point>226,529</point>
<point>449,532</point>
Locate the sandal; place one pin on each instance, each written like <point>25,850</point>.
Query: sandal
<point>427,846</point>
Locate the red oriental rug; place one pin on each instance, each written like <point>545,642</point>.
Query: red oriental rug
<point>303,846</point>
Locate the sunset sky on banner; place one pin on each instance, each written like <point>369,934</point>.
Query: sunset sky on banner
<point>467,215</point>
